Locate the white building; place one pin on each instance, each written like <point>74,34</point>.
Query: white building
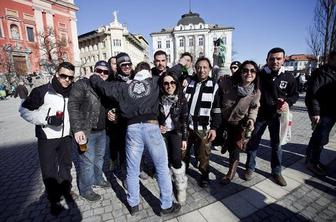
<point>300,63</point>
<point>108,41</point>
<point>193,35</point>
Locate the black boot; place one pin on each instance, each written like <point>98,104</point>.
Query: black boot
<point>204,182</point>
<point>66,191</point>
<point>56,208</point>
<point>53,189</point>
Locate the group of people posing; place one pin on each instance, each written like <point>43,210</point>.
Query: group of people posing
<point>168,112</point>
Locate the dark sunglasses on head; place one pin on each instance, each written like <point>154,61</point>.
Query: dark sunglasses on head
<point>126,64</point>
<point>63,76</point>
<point>245,70</point>
<point>169,83</point>
<point>102,71</point>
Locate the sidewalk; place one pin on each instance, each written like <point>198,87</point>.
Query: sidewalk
<point>304,198</point>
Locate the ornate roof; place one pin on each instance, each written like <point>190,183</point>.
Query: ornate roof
<point>190,18</point>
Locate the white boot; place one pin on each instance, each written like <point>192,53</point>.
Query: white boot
<point>181,182</point>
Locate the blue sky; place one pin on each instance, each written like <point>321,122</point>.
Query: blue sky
<point>259,24</point>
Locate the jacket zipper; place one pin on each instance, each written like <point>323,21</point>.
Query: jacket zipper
<point>63,116</point>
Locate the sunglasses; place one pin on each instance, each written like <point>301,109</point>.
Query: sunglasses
<point>169,83</point>
<point>102,71</point>
<point>234,67</point>
<point>63,76</point>
<point>253,71</point>
<point>126,64</point>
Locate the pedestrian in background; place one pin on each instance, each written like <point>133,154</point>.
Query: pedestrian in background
<point>322,112</point>
<point>21,91</point>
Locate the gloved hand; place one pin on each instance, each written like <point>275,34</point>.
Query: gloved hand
<point>54,121</point>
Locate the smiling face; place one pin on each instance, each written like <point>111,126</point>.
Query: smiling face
<point>248,74</point>
<point>65,77</point>
<point>169,85</point>
<point>203,70</point>
<point>126,69</point>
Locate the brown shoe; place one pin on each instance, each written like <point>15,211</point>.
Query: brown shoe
<point>280,180</point>
<point>248,174</point>
<point>231,173</point>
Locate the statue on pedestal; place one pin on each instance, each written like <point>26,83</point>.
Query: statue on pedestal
<point>219,58</point>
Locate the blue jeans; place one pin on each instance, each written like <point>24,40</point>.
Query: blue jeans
<point>138,137</point>
<point>91,162</point>
<point>252,146</point>
<point>319,138</point>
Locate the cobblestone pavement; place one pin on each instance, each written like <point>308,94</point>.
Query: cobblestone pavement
<point>22,192</point>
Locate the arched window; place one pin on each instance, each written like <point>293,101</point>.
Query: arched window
<point>14,29</point>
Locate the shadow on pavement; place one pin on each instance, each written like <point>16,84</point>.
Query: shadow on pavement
<point>21,186</point>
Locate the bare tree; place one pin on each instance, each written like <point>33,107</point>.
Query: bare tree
<point>7,63</point>
<point>322,33</point>
<point>54,50</point>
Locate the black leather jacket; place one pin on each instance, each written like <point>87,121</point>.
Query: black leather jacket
<point>178,114</point>
<point>321,88</point>
<point>84,107</point>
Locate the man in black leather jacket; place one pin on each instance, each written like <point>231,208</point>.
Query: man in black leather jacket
<point>87,119</point>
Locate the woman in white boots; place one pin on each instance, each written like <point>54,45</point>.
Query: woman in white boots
<point>173,119</point>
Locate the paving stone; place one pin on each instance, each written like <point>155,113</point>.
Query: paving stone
<point>216,212</point>
<point>194,216</point>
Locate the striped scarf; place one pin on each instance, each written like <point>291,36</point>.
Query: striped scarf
<point>200,96</point>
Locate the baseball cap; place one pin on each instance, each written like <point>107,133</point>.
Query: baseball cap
<point>123,58</point>
<point>235,63</point>
<point>102,64</point>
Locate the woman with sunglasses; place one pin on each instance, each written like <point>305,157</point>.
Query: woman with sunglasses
<point>238,96</point>
<point>173,118</point>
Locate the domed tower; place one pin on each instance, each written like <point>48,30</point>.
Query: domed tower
<point>192,34</point>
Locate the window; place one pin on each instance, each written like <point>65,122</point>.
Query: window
<point>200,41</point>
<point>104,56</point>
<point>191,41</point>
<point>14,30</point>
<point>181,42</point>
<point>168,58</point>
<point>159,44</point>
<point>116,42</point>
<point>64,38</point>
<point>1,35</point>
<point>30,34</point>
<point>167,44</point>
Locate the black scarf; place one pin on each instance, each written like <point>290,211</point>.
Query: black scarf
<point>59,88</point>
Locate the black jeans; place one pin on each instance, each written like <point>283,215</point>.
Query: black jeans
<point>173,143</point>
<point>55,162</point>
<point>319,138</point>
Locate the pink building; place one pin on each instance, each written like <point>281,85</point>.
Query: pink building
<point>24,23</point>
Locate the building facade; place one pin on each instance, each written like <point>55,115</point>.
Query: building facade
<point>108,41</point>
<point>193,35</point>
<point>35,34</point>
<point>300,63</point>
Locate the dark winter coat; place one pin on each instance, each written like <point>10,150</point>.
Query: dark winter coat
<point>321,88</point>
